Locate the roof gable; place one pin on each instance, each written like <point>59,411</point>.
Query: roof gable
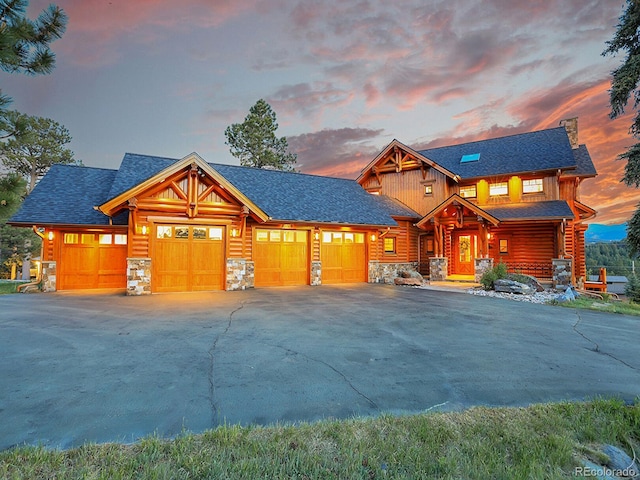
<point>542,150</point>
<point>116,203</point>
<point>458,202</point>
<point>398,157</point>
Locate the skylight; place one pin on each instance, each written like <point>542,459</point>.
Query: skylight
<point>473,157</point>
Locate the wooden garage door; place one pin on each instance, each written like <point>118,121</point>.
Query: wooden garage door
<point>188,258</point>
<point>92,260</point>
<point>344,257</point>
<point>281,257</point>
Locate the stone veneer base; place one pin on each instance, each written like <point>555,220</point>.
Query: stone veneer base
<point>240,274</point>
<point>138,276</point>
<point>388,272</point>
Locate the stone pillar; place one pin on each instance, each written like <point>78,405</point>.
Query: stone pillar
<point>138,276</point>
<point>562,272</point>
<point>48,276</point>
<point>482,265</point>
<point>240,274</point>
<point>316,273</point>
<point>438,268</point>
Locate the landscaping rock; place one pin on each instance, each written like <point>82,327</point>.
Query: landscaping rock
<point>511,286</point>
<point>529,280</point>
<point>410,274</point>
<point>620,461</point>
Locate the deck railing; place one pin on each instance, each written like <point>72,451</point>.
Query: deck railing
<point>542,271</point>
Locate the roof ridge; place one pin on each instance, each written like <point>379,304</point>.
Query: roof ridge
<point>492,138</point>
<point>84,166</point>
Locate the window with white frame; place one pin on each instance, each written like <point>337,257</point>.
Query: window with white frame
<point>532,186</point>
<point>499,188</point>
<point>468,191</point>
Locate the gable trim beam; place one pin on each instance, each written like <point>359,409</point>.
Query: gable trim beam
<point>194,161</point>
<point>398,148</point>
<point>455,198</point>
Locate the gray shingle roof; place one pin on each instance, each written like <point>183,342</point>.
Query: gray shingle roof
<point>135,169</point>
<point>526,152</point>
<point>584,164</point>
<point>67,195</point>
<point>554,209</point>
<point>299,197</point>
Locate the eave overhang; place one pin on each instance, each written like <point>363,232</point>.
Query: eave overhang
<point>585,212</point>
<point>112,206</point>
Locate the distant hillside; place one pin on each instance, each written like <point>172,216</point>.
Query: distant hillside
<point>605,233</point>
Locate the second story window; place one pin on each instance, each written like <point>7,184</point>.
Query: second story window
<point>468,191</point>
<point>500,188</point>
<point>532,186</point>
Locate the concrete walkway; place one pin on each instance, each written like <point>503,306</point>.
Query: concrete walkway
<point>82,368</point>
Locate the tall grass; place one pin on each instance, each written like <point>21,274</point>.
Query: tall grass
<point>542,441</point>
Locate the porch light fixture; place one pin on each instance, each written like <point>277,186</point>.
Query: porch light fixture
<point>234,232</point>
<point>144,230</point>
<point>373,237</point>
<point>316,236</point>
<point>50,236</point>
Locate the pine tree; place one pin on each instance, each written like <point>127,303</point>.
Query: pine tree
<point>624,84</point>
<point>254,141</point>
<point>24,43</point>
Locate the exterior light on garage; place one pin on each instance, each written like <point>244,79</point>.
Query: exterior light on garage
<point>50,237</point>
<point>316,236</point>
<point>234,232</point>
<point>373,237</point>
<point>144,230</point>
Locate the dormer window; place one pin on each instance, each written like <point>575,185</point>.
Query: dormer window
<point>532,186</point>
<point>497,189</point>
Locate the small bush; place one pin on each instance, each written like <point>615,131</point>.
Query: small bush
<point>490,276</point>
<point>632,289</point>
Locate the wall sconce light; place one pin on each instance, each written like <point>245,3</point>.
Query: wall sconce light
<point>316,236</point>
<point>373,237</point>
<point>144,230</point>
<point>488,236</point>
<point>50,236</point>
<point>234,232</point>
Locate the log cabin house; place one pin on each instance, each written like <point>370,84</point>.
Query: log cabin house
<point>164,225</point>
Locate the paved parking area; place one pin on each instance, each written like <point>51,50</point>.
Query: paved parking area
<point>82,368</point>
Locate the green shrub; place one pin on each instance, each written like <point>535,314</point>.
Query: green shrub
<point>490,276</point>
<point>632,289</point>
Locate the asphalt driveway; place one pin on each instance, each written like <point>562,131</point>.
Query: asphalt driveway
<point>96,368</point>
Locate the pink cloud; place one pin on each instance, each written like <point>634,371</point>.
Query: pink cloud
<point>97,30</point>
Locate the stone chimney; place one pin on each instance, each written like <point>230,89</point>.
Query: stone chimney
<point>571,125</point>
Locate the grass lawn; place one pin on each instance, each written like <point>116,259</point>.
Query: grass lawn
<point>541,441</point>
<point>7,286</point>
<point>623,307</point>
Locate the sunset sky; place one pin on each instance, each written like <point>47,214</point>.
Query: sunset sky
<point>166,77</point>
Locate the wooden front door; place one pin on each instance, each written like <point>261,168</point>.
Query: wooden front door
<point>188,258</point>
<point>344,257</point>
<point>281,257</point>
<point>465,250</point>
<point>92,260</point>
